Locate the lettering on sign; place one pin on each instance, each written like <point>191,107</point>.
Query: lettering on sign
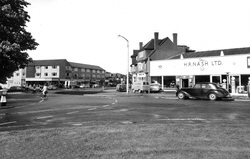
<point>203,63</point>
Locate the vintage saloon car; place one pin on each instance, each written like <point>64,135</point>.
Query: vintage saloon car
<point>203,90</point>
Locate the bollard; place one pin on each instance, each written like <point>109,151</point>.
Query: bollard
<point>3,100</point>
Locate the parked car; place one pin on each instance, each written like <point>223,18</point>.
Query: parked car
<point>121,88</point>
<point>203,90</point>
<point>95,85</point>
<point>16,89</point>
<point>84,86</point>
<point>52,87</point>
<point>141,87</point>
<point>155,87</point>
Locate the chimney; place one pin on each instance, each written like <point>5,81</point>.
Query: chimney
<point>156,40</point>
<point>140,45</point>
<point>175,38</point>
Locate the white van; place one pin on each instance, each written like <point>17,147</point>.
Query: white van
<point>141,87</point>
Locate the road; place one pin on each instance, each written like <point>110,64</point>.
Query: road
<point>105,109</point>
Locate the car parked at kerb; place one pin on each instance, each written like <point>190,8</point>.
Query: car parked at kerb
<point>205,90</point>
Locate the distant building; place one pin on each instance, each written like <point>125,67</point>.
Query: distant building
<point>58,72</point>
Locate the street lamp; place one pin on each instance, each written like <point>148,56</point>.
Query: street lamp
<point>128,60</point>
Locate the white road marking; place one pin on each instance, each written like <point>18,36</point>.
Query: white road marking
<point>72,112</point>
<point>92,109</point>
<point>77,124</point>
<point>105,106</point>
<point>43,117</point>
<point>8,123</point>
<point>199,119</point>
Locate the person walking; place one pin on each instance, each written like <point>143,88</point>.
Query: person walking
<point>45,91</point>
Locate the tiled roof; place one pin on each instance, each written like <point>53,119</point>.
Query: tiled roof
<point>234,51</point>
<point>54,62</point>
<point>79,65</point>
<point>48,62</point>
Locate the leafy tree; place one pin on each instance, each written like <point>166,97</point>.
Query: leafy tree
<point>14,39</point>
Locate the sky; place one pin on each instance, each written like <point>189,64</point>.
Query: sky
<point>86,31</point>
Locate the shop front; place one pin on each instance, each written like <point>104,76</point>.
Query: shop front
<point>185,72</point>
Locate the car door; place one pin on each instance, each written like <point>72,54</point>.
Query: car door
<point>195,91</point>
<point>204,90</point>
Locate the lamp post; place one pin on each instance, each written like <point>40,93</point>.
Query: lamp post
<point>127,61</point>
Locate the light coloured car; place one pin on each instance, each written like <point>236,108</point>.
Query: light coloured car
<point>155,87</point>
<point>141,87</point>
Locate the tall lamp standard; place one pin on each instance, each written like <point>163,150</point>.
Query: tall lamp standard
<point>128,60</point>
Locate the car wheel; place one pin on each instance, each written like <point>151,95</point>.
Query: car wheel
<point>181,95</point>
<point>212,96</point>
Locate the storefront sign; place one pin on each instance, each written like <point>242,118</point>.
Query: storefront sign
<point>141,75</point>
<point>202,63</point>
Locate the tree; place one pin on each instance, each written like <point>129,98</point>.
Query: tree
<point>14,39</point>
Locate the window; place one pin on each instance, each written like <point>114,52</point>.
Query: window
<point>93,71</point>
<point>88,70</point>
<point>37,67</point>
<point>98,71</point>
<point>248,62</point>
<point>17,74</point>
<point>83,70</point>
<point>75,69</point>
<point>46,67</point>
<point>45,74</point>
<point>37,74</point>
<point>54,74</point>
<point>67,74</point>
<point>54,67</point>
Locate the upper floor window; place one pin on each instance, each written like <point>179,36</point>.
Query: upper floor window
<point>68,68</point>
<point>98,71</point>
<point>83,70</point>
<point>54,74</point>
<point>17,74</point>
<point>88,70</point>
<point>46,67</point>
<point>37,67</point>
<point>93,71</point>
<point>37,74</point>
<point>75,69</point>
<point>54,67</point>
<point>45,74</point>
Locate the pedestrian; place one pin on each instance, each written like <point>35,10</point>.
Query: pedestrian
<point>45,91</point>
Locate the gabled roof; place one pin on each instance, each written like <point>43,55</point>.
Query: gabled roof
<point>79,65</point>
<point>150,44</point>
<point>48,62</point>
<point>234,51</point>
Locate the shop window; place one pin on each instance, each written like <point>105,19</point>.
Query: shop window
<point>248,62</point>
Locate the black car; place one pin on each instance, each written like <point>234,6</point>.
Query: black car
<point>203,90</point>
<point>121,88</point>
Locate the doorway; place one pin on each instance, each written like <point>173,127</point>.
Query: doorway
<point>184,82</point>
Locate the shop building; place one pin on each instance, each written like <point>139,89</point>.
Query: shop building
<point>229,67</point>
<point>171,65</point>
